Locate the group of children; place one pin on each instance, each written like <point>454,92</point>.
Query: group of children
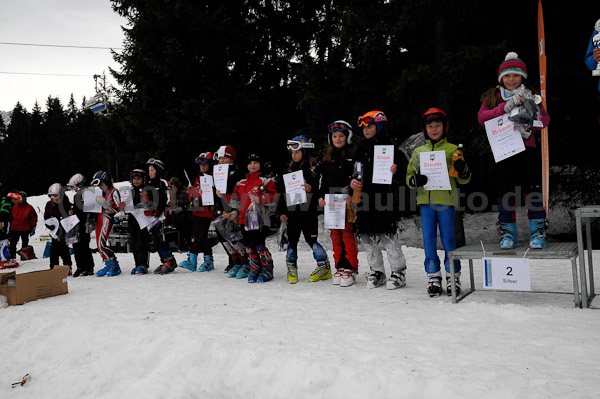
<point>242,213</point>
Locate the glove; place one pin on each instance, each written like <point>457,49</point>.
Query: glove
<point>514,102</point>
<point>462,168</point>
<point>103,202</point>
<point>32,232</point>
<point>417,180</point>
<point>119,215</point>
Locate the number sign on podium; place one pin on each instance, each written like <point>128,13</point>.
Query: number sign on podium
<point>506,274</point>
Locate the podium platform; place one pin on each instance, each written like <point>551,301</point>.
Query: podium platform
<point>554,250</point>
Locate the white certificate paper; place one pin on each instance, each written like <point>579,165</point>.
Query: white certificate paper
<point>89,200</point>
<point>433,165</point>
<point>206,185</point>
<point>383,159</point>
<point>504,139</point>
<point>127,198</point>
<point>220,174</point>
<point>335,211</point>
<point>294,191</point>
<point>69,223</point>
<point>143,220</point>
<point>54,223</point>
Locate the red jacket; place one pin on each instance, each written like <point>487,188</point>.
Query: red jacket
<point>195,195</point>
<point>23,217</point>
<point>264,188</point>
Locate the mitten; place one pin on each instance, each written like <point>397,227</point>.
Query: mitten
<point>417,180</point>
<point>462,168</point>
<point>514,102</point>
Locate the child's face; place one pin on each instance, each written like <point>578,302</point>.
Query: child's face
<point>103,187</point>
<point>370,131</point>
<point>225,159</point>
<point>204,167</point>
<point>338,139</point>
<point>511,81</point>
<point>137,181</point>
<point>435,130</point>
<point>253,167</point>
<point>152,172</point>
<point>297,155</point>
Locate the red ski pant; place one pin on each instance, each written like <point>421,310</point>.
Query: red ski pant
<point>345,252</point>
<point>103,226</point>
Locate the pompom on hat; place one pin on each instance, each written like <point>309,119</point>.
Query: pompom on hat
<point>512,64</point>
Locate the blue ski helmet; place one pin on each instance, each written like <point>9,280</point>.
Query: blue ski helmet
<point>101,176</point>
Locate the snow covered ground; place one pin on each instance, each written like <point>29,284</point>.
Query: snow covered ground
<point>203,335</point>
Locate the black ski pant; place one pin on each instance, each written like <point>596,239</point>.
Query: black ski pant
<point>82,252</point>
<point>14,237</point>
<point>140,240</point>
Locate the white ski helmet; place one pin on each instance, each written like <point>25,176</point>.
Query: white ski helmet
<point>55,189</point>
<point>76,181</point>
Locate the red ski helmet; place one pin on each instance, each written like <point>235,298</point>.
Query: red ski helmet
<point>434,115</point>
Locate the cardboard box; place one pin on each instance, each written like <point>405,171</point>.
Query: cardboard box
<point>27,287</point>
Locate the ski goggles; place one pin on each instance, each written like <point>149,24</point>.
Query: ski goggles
<point>294,145</point>
<point>365,121</point>
<point>71,187</point>
<point>203,158</point>
<point>337,127</point>
<point>53,195</point>
<point>95,183</point>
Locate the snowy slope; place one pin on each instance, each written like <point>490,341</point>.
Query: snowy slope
<point>202,335</point>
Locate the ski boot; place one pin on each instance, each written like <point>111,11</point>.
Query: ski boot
<point>456,283</point>
<point>190,263</point>
<point>292,272</point>
<point>348,277</point>
<point>537,233</point>
<point>233,271</point>
<point>397,279</point>
<point>139,270</point>
<point>168,266</point>
<point>208,264</point>
<point>508,231</point>
<point>375,278</point>
<point>111,268</point>
<point>434,287</point>
<point>266,263</point>
<point>243,272</point>
<point>253,275</point>
<point>322,272</point>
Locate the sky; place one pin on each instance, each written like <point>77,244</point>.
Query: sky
<point>90,23</point>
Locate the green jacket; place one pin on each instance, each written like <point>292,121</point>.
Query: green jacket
<point>440,197</point>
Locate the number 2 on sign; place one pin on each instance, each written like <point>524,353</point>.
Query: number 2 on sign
<point>502,273</point>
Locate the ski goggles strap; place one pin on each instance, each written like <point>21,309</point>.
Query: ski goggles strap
<point>95,183</point>
<point>294,145</point>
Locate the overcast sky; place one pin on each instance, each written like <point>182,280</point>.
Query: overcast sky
<point>57,22</point>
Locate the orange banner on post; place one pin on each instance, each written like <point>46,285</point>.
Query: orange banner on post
<point>542,61</point>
